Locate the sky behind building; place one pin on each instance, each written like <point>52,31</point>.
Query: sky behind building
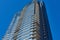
<point>9,7</point>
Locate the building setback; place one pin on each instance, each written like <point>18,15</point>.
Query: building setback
<point>30,24</point>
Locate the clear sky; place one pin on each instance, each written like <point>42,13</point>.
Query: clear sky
<point>9,7</point>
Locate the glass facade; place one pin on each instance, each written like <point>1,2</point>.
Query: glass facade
<point>30,24</point>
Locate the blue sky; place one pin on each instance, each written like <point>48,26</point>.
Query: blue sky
<point>9,7</point>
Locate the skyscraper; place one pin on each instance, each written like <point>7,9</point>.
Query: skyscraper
<point>30,24</point>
